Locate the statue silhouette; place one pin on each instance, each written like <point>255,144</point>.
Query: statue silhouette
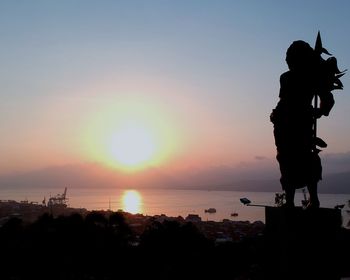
<point>309,78</point>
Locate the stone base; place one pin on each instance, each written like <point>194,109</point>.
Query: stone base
<point>303,244</point>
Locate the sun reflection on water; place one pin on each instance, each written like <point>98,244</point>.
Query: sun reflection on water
<point>131,201</point>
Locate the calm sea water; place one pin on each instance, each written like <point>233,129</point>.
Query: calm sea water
<point>172,202</point>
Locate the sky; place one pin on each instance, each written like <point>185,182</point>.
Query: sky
<point>183,87</point>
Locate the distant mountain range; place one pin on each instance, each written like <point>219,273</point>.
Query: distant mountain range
<point>336,183</point>
<point>218,178</point>
<point>332,183</point>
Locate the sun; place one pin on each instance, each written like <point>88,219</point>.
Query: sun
<point>129,136</point>
<point>132,201</point>
<point>132,144</point>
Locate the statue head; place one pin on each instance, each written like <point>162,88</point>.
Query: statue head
<point>300,56</point>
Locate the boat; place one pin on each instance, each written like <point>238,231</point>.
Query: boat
<point>210,210</point>
<point>234,214</point>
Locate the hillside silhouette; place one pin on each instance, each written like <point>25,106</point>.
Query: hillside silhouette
<point>101,247</point>
<point>105,246</point>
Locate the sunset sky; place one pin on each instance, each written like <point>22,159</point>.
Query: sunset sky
<point>173,85</point>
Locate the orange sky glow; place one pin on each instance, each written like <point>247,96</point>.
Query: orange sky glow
<point>135,91</point>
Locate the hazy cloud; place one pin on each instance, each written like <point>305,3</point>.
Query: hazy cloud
<point>260,157</point>
<point>260,175</point>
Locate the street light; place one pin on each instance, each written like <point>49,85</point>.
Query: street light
<point>247,202</point>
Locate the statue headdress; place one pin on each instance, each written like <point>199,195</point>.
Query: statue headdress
<point>329,72</point>
<point>329,79</point>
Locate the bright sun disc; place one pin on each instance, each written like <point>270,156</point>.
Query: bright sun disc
<point>130,136</point>
<point>132,144</point>
<point>132,202</point>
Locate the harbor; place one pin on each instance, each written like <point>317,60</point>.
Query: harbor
<point>29,211</point>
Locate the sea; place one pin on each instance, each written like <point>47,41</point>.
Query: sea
<point>173,202</point>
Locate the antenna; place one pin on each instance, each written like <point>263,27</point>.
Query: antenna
<point>65,193</point>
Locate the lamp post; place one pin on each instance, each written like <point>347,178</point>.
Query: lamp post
<point>247,202</point>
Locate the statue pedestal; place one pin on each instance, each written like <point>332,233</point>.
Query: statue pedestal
<point>303,244</point>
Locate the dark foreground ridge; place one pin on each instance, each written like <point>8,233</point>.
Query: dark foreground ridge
<point>118,245</point>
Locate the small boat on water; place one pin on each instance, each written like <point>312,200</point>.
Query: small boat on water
<point>210,210</point>
<point>234,214</point>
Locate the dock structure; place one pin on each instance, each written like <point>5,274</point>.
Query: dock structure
<point>58,200</point>
<point>303,243</point>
